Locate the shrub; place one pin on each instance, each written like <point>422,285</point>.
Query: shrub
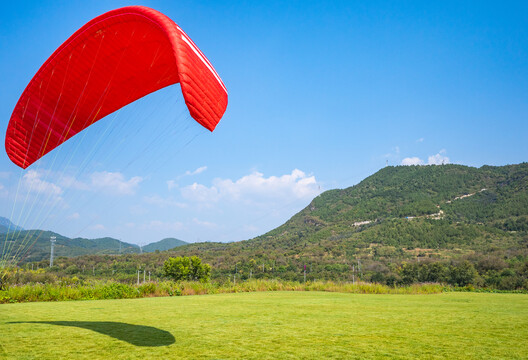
<point>187,268</point>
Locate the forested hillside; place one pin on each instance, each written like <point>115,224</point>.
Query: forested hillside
<point>418,206</point>
<point>34,245</point>
<point>165,244</point>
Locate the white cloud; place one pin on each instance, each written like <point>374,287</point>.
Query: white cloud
<point>34,183</point>
<point>4,174</point>
<point>254,188</point>
<point>171,184</point>
<point>420,140</point>
<point>199,170</point>
<point>438,159</point>
<point>3,191</point>
<point>163,202</point>
<point>109,182</point>
<point>114,182</point>
<point>71,182</point>
<point>200,193</point>
<point>98,227</point>
<point>412,161</point>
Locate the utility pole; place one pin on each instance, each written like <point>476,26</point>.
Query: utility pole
<point>304,272</point>
<point>138,278</point>
<point>144,273</point>
<point>52,240</point>
<point>149,276</point>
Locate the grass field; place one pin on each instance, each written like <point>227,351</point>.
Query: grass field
<point>274,325</point>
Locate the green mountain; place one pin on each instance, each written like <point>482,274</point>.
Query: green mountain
<point>403,213</point>
<point>34,245</point>
<point>414,206</point>
<point>6,225</point>
<point>163,245</point>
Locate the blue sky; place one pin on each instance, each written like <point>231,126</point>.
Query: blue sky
<point>321,95</point>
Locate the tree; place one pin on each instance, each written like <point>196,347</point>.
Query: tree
<point>435,272</point>
<point>187,268</point>
<point>462,274</point>
<point>408,273</point>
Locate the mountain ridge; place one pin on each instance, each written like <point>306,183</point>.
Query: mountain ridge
<point>35,245</point>
<point>164,244</point>
<point>6,225</point>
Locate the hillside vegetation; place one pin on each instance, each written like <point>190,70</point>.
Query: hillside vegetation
<point>165,244</point>
<point>413,214</point>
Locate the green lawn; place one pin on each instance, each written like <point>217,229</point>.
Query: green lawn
<point>270,325</point>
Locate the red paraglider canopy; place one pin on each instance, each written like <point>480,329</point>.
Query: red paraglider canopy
<point>111,61</point>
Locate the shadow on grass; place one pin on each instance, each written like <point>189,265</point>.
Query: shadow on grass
<point>138,335</point>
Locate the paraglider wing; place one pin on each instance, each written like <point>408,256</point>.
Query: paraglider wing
<point>110,62</point>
